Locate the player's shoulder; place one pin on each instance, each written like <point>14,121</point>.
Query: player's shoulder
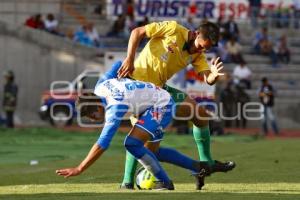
<point>101,87</point>
<point>176,25</point>
<point>199,57</point>
<point>166,24</point>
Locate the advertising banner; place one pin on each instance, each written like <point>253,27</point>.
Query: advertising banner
<point>178,9</point>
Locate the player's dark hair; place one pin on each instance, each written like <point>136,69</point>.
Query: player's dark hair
<point>242,61</point>
<point>210,31</point>
<point>264,79</point>
<point>85,99</point>
<point>10,75</point>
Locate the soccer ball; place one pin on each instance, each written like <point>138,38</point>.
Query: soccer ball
<point>144,179</point>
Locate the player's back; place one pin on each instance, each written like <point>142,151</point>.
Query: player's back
<point>137,95</point>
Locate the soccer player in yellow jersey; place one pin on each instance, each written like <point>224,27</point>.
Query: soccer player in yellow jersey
<point>171,47</point>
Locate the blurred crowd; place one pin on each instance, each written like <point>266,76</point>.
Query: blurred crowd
<point>230,42</point>
<point>49,24</point>
<point>279,17</point>
<point>85,34</point>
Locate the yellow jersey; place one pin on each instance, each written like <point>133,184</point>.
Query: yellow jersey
<point>164,54</point>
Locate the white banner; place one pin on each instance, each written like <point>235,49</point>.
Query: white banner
<point>170,9</point>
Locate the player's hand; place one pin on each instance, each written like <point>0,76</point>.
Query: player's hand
<point>68,172</point>
<point>126,68</point>
<point>216,67</point>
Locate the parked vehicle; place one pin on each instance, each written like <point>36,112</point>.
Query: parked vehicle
<point>58,103</point>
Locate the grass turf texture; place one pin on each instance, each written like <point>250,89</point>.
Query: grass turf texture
<point>266,169</point>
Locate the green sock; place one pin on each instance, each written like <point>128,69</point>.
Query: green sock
<point>130,167</point>
<point>202,139</point>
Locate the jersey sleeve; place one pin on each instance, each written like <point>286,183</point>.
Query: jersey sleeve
<point>113,118</point>
<point>160,29</point>
<point>200,64</point>
<point>111,73</point>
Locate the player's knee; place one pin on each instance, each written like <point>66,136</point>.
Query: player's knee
<point>199,122</point>
<point>160,155</point>
<point>201,117</point>
<point>132,142</point>
<point>152,146</point>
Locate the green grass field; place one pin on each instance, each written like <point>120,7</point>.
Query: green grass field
<point>266,169</point>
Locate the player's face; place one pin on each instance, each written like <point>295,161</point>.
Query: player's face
<point>201,43</point>
<point>97,116</point>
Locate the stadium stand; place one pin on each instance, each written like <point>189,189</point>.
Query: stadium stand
<point>72,13</point>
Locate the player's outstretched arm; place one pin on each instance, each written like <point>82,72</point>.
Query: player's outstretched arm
<point>128,64</point>
<point>92,156</point>
<point>113,118</point>
<point>211,76</point>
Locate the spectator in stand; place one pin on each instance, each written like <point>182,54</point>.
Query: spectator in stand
<point>144,22</point>
<point>10,98</point>
<point>204,20</point>
<point>282,50</point>
<point>272,14</point>
<point>82,36</point>
<point>221,51</point>
<point>242,75</point>
<point>93,35</point>
<point>130,7</point>
<point>221,25</point>
<point>260,39</point>
<point>118,27</point>
<point>189,24</point>
<point>51,24</point>
<point>98,9</point>
<point>266,95</point>
<point>263,45</point>
<point>231,28</point>
<point>2,120</point>
<point>296,9</point>
<point>281,18</point>
<point>234,50</point>
<point>35,22</point>
<point>70,33</point>
<point>228,104</point>
<point>254,10</point>
<point>241,98</point>
<point>130,24</point>
<point>285,18</point>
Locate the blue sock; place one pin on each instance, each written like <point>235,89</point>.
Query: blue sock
<point>174,157</point>
<point>146,158</point>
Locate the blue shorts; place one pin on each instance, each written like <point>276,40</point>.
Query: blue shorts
<point>154,120</point>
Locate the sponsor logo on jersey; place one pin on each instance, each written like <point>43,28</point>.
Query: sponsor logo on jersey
<point>170,49</point>
<point>115,92</point>
<point>140,121</point>
<point>157,114</point>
